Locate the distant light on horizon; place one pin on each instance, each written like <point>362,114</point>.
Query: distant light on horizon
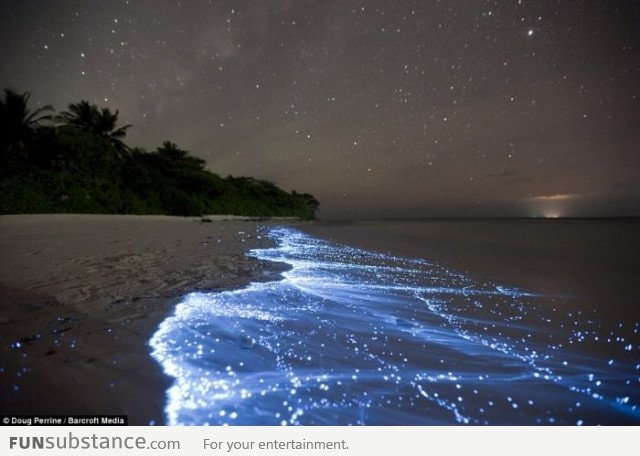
<point>548,212</point>
<point>552,206</point>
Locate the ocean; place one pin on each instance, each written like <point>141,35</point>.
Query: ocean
<point>481,322</point>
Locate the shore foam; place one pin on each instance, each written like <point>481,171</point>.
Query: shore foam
<point>350,336</point>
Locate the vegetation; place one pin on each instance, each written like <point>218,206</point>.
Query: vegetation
<point>77,161</point>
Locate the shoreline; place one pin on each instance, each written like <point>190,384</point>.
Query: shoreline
<point>81,295</point>
<point>569,257</point>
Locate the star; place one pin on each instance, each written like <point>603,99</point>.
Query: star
<point>325,83</point>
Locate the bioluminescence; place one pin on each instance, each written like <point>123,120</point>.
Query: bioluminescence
<point>352,337</point>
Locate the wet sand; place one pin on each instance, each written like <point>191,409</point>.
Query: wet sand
<point>80,295</point>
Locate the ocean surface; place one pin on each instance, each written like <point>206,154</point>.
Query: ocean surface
<point>418,323</point>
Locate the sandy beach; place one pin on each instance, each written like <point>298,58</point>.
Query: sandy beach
<point>455,324</point>
<point>80,295</point>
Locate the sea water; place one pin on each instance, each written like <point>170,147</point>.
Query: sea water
<point>350,336</point>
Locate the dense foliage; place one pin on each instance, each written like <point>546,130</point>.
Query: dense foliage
<point>78,162</point>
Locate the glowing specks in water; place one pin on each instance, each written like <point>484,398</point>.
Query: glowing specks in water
<point>355,337</point>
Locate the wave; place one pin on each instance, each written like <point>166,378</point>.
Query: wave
<point>353,337</point>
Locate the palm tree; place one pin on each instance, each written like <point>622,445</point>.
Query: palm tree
<point>102,122</point>
<point>17,122</point>
<point>178,158</point>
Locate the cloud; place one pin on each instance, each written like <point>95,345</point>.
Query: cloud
<point>510,177</point>
<point>555,197</point>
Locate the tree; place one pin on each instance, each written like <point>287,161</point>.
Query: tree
<point>312,203</point>
<point>176,157</point>
<point>18,124</point>
<point>102,122</point>
<point>81,165</point>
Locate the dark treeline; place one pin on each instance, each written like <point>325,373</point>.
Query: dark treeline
<point>77,162</point>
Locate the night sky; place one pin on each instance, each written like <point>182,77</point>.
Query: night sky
<point>378,108</point>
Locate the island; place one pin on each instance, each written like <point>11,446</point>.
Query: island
<point>77,161</point>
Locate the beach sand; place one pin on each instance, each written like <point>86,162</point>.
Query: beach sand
<point>80,296</point>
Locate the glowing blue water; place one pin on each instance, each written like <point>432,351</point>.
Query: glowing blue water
<point>354,337</point>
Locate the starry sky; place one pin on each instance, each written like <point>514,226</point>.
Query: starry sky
<point>379,108</point>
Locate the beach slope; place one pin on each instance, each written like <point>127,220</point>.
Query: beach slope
<point>80,295</point>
